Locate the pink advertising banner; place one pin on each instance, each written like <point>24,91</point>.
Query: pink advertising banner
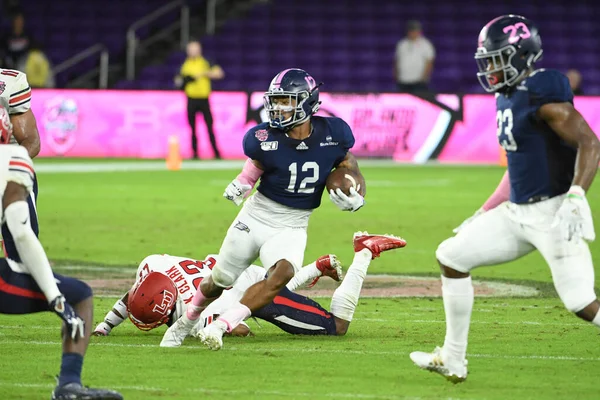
<point>138,124</point>
<point>86,123</point>
<point>474,138</point>
<point>384,125</point>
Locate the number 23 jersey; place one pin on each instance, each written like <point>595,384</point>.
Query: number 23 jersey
<point>540,164</point>
<point>295,171</point>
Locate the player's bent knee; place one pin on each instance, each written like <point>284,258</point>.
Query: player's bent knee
<point>223,278</point>
<point>282,273</point>
<point>341,326</point>
<point>446,255</point>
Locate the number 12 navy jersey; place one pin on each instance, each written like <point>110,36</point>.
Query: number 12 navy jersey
<point>295,171</point>
<point>540,164</point>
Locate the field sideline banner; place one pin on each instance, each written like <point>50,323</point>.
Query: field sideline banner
<point>137,124</point>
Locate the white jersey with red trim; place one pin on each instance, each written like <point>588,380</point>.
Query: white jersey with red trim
<point>15,166</point>
<point>15,93</point>
<point>187,274</point>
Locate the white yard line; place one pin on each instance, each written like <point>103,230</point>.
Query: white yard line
<point>160,165</point>
<point>385,320</point>
<point>251,349</point>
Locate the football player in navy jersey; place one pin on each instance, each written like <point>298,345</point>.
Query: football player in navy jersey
<point>540,203</point>
<point>292,155</point>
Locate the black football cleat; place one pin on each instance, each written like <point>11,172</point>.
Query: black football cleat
<point>74,391</point>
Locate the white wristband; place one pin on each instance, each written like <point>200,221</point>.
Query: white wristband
<point>576,190</point>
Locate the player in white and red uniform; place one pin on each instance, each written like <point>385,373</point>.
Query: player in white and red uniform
<point>15,96</point>
<point>154,300</point>
<point>186,275</point>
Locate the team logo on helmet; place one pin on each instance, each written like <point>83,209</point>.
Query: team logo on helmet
<point>151,301</point>
<point>167,301</point>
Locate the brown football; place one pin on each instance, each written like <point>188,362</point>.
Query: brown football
<point>342,178</point>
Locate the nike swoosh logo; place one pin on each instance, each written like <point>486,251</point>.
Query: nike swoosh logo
<point>24,222</point>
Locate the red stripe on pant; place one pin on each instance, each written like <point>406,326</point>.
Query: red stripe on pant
<point>299,306</point>
<point>17,291</point>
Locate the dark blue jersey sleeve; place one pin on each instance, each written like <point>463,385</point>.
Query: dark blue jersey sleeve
<point>549,86</point>
<point>343,135</point>
<point>251,143</point>
<point>347,136</point>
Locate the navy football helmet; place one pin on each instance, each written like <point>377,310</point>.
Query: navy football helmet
<point>292,91</point>
<point>508,48</point>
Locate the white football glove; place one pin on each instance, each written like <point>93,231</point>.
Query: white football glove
<point>74,324</point>
<point>103,329</point>
<point>236,191</point>
<point>347,203</point>
<point>574,217</point>
<point>468,220</point>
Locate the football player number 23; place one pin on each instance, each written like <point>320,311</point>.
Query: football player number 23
<point>310,170</point>
<point>504,119</point>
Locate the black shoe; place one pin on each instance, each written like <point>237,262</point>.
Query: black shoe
<point>74,391</point>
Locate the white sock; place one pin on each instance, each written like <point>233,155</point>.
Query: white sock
<point>304,275</point>
<point>458,304</point>
<point>596,320</point>
<point>345,297</point>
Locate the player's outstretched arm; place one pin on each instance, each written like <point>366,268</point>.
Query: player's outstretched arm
<point>242,185</point>
<point>33,256</point>
<point>574,216</point>
<point>113,318</point>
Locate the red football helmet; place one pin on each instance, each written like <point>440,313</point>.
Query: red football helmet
<point>151,301</point>
<point>6,127</point>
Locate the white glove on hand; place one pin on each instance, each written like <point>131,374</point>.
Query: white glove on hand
<point>468,220</point>
<point>103,329</point>
<point>236,191</point>
<point>73,322</point>
<point>574,217</point>
<point>347,203</point>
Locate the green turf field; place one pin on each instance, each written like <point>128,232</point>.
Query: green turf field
<point>518,349</point>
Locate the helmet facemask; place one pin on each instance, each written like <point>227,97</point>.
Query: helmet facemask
<point>278,103</point>
<point>143,326</point>
<point>494,63</point>
<point>502,61</point>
